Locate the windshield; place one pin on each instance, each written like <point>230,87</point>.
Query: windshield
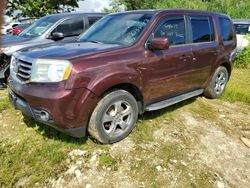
<point>39,27</point>
<point>242,29</point>
<point>122,29</point>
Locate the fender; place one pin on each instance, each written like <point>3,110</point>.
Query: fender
<point>102,84</point>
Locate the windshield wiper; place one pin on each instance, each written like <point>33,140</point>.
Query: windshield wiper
<point>95,41</point>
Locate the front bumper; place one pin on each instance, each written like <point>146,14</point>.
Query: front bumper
<point>69,110</point>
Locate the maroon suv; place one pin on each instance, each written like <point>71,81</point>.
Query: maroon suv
<point>125,64</point>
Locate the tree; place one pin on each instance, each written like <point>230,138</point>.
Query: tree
<point>236,9</point>
<point>135,4</point>
<point>39,8</point>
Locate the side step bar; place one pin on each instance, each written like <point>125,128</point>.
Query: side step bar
<point>174,100</point>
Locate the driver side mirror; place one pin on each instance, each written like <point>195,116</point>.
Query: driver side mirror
<point>159,43</point>
<point>57,36</point>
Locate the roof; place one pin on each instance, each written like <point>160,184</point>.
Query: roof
<point>62,15</point>
<point>160,11</point>
<point>241,21</point>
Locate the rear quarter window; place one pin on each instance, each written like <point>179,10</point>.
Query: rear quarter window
<point>226,29</point>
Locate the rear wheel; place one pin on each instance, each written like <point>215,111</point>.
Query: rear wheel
<point>218,83</point>
<point>114,117</point>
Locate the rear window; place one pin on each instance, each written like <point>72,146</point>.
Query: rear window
<point>226,29</point>
<point>202,29</point>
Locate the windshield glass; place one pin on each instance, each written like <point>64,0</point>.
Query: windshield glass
<point>242,29</point>
<point>122,29</point>
<point>39,27</point>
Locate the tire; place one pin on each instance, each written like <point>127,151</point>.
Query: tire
<point>217,84</point>
<point>114,117</point>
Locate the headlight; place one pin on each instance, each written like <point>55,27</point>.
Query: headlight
<point>50,70</point>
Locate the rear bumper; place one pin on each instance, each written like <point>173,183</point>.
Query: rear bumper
<point>69,110</point>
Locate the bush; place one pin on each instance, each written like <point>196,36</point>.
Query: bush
<point>243,57</point>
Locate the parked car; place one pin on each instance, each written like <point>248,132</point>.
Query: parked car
<point>242,27</point>
<point>124,65</point>
<point>19,28</point>
<point>56,27</point>
<point>7,29</point>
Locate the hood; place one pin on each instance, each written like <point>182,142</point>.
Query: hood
<point>66,50</point>
<point>9,40</point>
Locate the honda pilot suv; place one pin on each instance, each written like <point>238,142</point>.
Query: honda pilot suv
<point>125,64</point>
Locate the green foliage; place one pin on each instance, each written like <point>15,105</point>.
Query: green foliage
<point>238,88</point>
<point>106,160</point>
<point>39,8</point>
<point>243,57</point>
<point>4,102</point>
<point>236,9</point>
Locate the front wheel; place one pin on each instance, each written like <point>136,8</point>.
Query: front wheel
<point>218,83</point>
<point>114,117</point>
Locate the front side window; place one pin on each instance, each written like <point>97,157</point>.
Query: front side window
<point>173,29</point>
<point>226,29</point>
<point>122,29</point>
<point>39,27</point>
<point>70,27</point>
<point>202,29</point>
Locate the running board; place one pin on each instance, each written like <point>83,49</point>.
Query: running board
<point>174,100</point>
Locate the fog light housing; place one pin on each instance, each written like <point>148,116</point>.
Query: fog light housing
<point>44,116</point>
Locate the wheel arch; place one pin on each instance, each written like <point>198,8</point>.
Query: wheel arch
<point>228,66</point>
<point>129,87</point>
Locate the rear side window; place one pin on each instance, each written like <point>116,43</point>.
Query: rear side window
<point>202,29</point>
<point>92,20</point>
<point>71,27</point>
<point>226,29</point>
<point>172,28</point>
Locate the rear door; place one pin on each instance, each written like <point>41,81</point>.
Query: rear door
<point>168,72</point>
<point>205,48</point>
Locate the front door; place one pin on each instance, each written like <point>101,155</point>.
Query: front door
<point>168,72</point>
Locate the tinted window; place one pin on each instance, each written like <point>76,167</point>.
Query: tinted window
<point>202,29</point>
<point>242,29</point>
<point>226,29</point>
<point>92,20</point>
<point>173,29</point>
<point>71,27</point>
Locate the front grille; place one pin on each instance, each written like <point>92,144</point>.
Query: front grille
<point>23,71</point>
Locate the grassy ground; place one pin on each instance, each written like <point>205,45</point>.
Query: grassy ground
<point>238,88</point>
<point>172,147</point>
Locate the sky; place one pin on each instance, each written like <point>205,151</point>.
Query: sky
<point>93,5</point>
<point>86,6</point>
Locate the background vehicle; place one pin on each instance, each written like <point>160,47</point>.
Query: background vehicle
<point>19,28</point>
<point>242,27</point>
<point>101,83</point>
<point>56,27</point>
<point>7,29</point>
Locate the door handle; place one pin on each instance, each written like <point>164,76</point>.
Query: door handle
<point>184,58</point>
<point>215,52</point>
